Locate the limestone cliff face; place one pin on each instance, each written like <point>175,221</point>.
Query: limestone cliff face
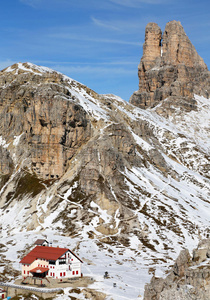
<point>169,67</point>
<point>50,127</point>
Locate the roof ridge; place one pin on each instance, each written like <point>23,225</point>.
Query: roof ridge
<point>48,253</point>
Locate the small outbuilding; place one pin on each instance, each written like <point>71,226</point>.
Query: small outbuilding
<point>41,242</point>
<point>2,294</point>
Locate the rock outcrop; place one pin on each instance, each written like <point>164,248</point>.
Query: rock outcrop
<point>189,278</point>
<point>169,67</point>
<point>50,128</point>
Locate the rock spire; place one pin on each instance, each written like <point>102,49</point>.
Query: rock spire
<point>170,66</point>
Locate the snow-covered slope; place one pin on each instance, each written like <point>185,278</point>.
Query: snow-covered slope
<point>133,194</point>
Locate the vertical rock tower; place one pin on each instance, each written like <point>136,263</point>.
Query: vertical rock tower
<point>170,66</point>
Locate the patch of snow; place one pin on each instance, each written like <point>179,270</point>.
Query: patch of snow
<point>202,264</point>
<point>17,140</point>
<point>41,69</point>
<point>91,105</point>
<point>47,201</point>
<point>69,191</point>
<point>142,143</point>
<point>113,97</point>
<point>9,69</point>
<point>31,68</point>
<point>3,142</point>
<point>155,69</point>
<point>102,213</point>
<point>48,221</point>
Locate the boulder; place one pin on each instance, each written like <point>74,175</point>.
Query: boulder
<point>188,279</point>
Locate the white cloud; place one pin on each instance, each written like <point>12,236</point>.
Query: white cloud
<point>123,25</point>
<point>96,71</point>
<point>32,3</point>
<point>91,3</point>
<point>104,24</point>
<point>47,4</point>
<point>68,36</point>
<point>137,3</point>
<point>78,63</point>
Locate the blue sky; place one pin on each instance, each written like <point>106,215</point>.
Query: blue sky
<point>97,42</point>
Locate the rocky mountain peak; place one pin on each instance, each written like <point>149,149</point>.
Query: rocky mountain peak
<point>170,66</point>
<point>177,48</point>
<point>152,45</point>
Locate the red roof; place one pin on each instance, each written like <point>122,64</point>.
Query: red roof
<point>48,253</point>
<point>39,270</point>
